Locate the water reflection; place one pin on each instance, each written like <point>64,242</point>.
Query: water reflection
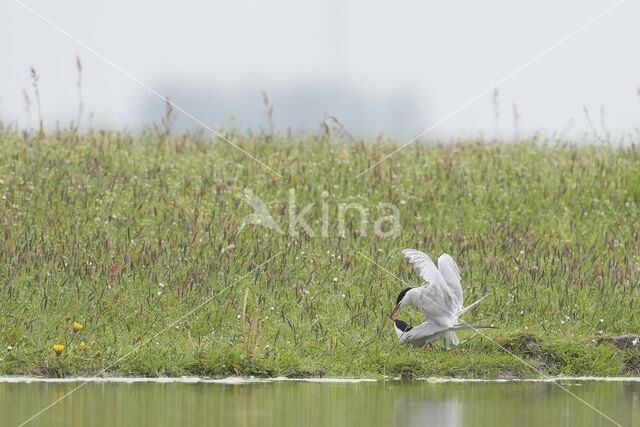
<point>415,411</point>
<point>319,404</point>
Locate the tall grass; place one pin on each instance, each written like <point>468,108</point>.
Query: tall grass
<point>126,234</point>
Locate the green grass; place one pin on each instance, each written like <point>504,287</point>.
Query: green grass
<point>127,234</point>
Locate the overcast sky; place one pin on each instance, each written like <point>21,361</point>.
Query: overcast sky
<point>378,66</point>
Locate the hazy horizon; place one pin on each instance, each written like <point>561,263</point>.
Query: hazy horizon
<point>379,68</point>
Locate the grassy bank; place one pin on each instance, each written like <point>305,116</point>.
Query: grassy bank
<point>148,243</point>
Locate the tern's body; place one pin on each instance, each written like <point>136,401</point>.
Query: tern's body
<point>433,307</point>
<point>427,333</point>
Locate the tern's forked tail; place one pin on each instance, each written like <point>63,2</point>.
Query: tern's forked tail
<point>470,306</point>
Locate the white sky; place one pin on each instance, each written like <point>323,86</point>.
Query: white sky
<point>379,66</point>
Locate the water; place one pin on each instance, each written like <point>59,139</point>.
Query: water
<point>289,403</point>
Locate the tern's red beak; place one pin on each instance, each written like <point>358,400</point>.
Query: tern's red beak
<point>391,317</point>
<point>395,309</point>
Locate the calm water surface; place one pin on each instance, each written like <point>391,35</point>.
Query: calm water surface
<point>287,403</point>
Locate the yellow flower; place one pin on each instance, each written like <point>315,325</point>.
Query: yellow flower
<point>98,353</point>
<point>58,348</point>
<point>77,326</point>
<point>83,344</point>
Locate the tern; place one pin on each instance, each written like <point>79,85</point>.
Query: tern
<point>440,300</point>
<point>427,333</point>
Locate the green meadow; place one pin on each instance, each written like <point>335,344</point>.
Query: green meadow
<point>182,255</point>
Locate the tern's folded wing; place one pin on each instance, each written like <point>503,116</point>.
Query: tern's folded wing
<point>422,331</point>
<point>426,332</point>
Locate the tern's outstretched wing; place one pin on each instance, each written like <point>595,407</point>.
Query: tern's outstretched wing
<point>437,292</point>
<point>451,274</point>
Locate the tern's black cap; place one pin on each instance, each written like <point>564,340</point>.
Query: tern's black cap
<point>402,325</point>
<point>401,295</point>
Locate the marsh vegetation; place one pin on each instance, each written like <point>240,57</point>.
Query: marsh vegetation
<point>143,240</point>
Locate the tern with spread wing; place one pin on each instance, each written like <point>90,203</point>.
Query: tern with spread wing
<point>440,300</point>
